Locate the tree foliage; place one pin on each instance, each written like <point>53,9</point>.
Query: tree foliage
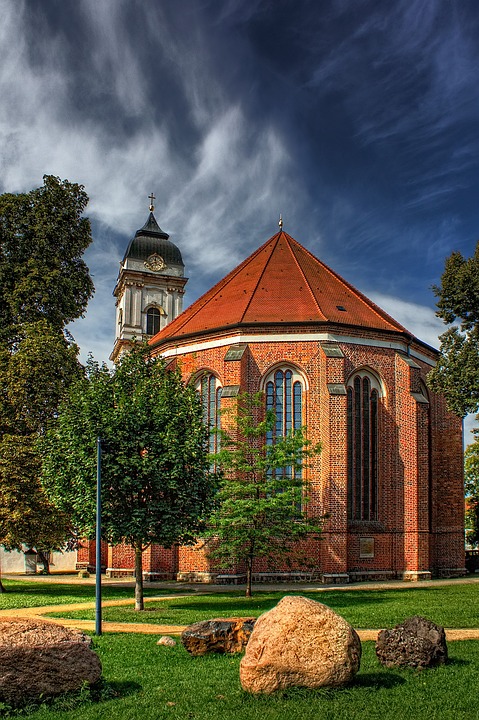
<point>262,502</point>
<point>44,284</point>
<point>456,374</point>
<point>43,236</point>
<point>33,378</point>
<point>155,480</point>
<point>471,486</point>
<point>26,515</point>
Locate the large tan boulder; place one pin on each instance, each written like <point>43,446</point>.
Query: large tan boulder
<point>39,659</point>
<point>299,642</point>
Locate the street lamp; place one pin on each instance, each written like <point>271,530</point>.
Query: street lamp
<point>98,540</point>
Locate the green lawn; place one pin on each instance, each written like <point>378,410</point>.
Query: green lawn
<point>144,681</point>
<point>22,593</point>
<point>153,682</point>
<point>449,605</point>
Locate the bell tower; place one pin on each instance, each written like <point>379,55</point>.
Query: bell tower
<point>150,286</point>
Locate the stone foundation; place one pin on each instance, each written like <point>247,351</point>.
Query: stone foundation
<point>130,573</point>
<point>197,577</point>
<point>372,575</point>
<point>415,575</point>
<point>334,578</point>
<point>451,572</point>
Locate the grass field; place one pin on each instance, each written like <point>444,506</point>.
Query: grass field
<point>151,682</point>
<point>452,606</point>
<point>144,681</point>
<point>22,594</point>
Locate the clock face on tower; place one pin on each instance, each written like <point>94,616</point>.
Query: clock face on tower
<point>155,263</point>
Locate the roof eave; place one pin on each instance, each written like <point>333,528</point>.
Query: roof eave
<point>288,328</point>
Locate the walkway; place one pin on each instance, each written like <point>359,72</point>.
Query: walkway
<point>151,629</point>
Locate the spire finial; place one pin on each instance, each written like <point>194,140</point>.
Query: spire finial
<point>280,223</point>
<point>151,198</point>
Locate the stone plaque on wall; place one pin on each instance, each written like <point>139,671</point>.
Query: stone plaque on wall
<point>366,547</point>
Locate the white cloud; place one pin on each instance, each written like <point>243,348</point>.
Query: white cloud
<point>418,319</point>
<point>236,175</point>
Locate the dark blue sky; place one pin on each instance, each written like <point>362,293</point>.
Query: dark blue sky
<point>355,119</point>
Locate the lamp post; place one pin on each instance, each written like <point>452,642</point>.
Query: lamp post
<point>98,540</point>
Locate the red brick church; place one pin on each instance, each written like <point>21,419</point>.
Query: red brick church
<point>390,472</point>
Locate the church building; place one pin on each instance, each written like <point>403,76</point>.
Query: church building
<point>390,473</point>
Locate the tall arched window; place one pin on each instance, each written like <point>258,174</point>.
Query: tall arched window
<point>153,316</point>
<point>284,395</point>
<point>363,401</point>
<point>210,390</point>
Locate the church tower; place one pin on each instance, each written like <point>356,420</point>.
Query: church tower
<point>150,286</point>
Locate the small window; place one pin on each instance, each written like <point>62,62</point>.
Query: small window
<point>153,316</point>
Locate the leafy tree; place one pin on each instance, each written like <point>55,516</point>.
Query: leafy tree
<point>33,378</point>
<point>43,236</point>
<point>155,480</point>
<point>26,515</point>
<point>471,486</point>
<point>457,371</point>
<point>44,284</point>
<point>261,505</point>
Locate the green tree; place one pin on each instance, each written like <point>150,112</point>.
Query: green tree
<point>471,486</point>
<point>34,377</point>
<point>27,517</point>
<point>43,236</point>
<point>262,502</point>
<point>456,374</point>
<point>44,284</point>
<point>155,480</point>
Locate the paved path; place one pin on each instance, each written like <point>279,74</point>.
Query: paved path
<point>152,629</point>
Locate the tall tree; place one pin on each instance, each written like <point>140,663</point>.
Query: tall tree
<point>43,236</point>
<point>456,374</point>
<point>471,486</point>
<point>262,502</point>
<point>155,480</point>
<point>44,284</point>
<point>26,515</point>
<point>33,380</point>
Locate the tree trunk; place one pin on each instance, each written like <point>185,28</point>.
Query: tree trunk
<point>139,604</point>
<point>249,575</point>
<point>43,557</point>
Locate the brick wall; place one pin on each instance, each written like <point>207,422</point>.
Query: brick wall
<point>419,528</point>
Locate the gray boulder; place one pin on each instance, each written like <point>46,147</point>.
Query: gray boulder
<point>417,642</point>
<point>39,659</point>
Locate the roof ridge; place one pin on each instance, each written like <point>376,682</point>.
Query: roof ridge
<point>360,295</point>
<point>198,305</point>
<point>261,290</point>
<point>294,243</point>
<point>274,241</point>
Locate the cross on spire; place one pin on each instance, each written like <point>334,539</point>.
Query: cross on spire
<point>280,223</point>
<point>151,198</point>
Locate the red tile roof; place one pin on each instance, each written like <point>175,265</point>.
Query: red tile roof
<point>281,282</point>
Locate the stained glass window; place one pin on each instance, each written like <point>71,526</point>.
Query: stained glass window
<point>210,391</point>
<point>362,421</point>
